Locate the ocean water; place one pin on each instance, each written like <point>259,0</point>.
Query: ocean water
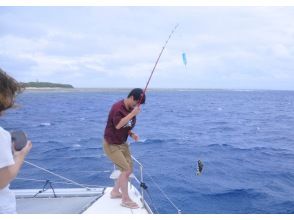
<point>244,138</point>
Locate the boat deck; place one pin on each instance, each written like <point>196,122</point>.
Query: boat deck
<point>106,205</point>
<point>75,201</point>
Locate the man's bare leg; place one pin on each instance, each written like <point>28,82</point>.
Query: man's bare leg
<point>123,181</point>
<point>115,193</point>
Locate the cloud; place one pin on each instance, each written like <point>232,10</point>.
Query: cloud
<point>117,46</point>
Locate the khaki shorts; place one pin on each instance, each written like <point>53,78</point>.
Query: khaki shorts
<point>120,155</point>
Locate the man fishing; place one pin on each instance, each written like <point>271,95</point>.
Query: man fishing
<point>121,121</point>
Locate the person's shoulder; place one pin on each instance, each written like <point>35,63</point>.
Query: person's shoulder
<point>4,135</point>
<point>6,157</point>
<point>118,104</point>
<point>5,138</point>
<point>3,131</point>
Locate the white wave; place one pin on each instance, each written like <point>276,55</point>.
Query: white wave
<point>139,141</point>
<point>45,124</point>
<point>142,140</point>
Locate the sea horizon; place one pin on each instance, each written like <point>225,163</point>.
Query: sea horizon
<point>105,89</point>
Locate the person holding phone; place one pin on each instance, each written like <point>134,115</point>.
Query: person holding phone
<point>11,160</point>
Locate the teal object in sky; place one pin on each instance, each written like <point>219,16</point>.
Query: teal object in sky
<point>184,58</point>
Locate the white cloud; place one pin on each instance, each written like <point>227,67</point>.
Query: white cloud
<point>118,46</point>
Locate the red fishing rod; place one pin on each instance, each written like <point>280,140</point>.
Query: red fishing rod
<point>143,94</point>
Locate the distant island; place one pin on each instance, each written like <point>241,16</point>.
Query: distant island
<point>46,85</point>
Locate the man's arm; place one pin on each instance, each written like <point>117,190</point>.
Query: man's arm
<point>127,118</point>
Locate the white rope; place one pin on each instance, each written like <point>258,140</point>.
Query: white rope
<point>55,182</point>
<point>90,171</point>
<point>61,177</point>
<point>35,180</point>
<point>72,157</point>
<point>163,193</point>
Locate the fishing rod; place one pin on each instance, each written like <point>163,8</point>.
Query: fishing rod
<point>199,163</point>
<point>142,95</point>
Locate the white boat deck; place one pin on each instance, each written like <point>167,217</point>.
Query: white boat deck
<point>106,205</point>
<point>75,201</point>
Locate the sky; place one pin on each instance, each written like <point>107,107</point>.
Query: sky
<point>116,47</point>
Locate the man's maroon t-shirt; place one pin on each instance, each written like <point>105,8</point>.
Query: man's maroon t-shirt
<point>117,112</point>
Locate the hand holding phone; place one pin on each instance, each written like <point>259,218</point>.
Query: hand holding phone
<point>19,140</point>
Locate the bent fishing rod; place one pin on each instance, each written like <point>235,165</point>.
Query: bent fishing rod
<point>144,91</point>
<point>199,163</point>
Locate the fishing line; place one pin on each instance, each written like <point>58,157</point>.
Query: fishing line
<point>199,163</point>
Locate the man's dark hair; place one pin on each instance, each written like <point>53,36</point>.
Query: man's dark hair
<point>9,88</point>
<point>137,93</point>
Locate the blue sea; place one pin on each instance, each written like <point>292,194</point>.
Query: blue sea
<point>245,140</point>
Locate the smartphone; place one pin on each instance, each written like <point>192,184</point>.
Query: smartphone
<point>19,138</point>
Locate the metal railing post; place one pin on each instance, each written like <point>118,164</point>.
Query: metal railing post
<point>142,181</point>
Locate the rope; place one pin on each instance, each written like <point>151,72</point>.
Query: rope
<point>61,177</point>
<point>163,193</point>
<point>148,194</point>
<point>28,179</point>
<point>143,185</point>
<point>56,182</point>
<point>90,171</point>
<point>72,157</point>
